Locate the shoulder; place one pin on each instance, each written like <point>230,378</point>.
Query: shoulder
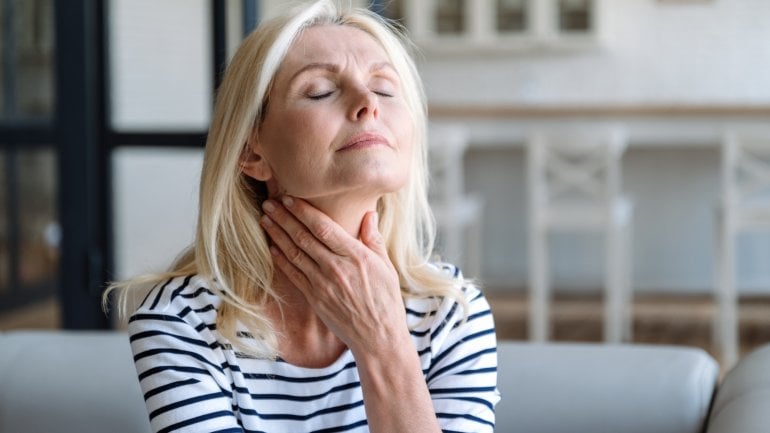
<point>440,316</point>
<point>185,300</point>
<point>471,293</point>
<point>178,293</point>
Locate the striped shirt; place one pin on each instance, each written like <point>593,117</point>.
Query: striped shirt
<point>193,380</point>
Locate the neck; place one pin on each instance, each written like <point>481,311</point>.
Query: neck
<point>297,319</point>
<point>348,213</point>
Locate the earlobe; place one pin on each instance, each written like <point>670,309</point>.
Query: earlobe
<point>254,165</point>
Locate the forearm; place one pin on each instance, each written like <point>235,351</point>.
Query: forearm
<point>396,397</point>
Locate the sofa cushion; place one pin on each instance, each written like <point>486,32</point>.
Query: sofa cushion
<point>593,388</point>
<point>79,382</point>
<point>743,402</point>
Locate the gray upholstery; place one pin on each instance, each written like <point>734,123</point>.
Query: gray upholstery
<point>82,382</point>
<point>743,402</point>
<point>593,388</point>
<point>69,382</point>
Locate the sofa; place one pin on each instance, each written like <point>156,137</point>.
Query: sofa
<point>83,382</point>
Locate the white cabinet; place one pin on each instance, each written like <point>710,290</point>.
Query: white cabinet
<point>499,25</point>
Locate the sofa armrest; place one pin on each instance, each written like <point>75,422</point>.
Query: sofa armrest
<point>596,388</point>
<point>79,382</point>
<point>742,404</point>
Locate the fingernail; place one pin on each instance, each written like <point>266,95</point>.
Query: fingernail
<point>268,206</point>
<point>266,221</point>
<point>287,201</point>
<point>274,251</point>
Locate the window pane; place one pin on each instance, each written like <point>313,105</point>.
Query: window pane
<point>27,54</point>
<point>511,15</point>
<point>151,229</point>
<point>160,64</point>
<point>450,16</point>
<point>5,258</point>
<point>39,234</point>
<point>575,15</point>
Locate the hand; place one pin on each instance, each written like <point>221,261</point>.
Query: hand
<point>350,283</point>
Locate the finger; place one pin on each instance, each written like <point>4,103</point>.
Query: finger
<point>292,272</point>
<point>300,235</point>
<point>321,226</point>
<point>371,236</point>
<point>286,245</point>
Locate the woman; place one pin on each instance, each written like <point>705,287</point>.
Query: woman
<point>307,302</point>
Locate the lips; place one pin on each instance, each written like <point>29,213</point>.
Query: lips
<point>364,140</point>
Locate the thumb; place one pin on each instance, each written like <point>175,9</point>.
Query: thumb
<point>370,234</point>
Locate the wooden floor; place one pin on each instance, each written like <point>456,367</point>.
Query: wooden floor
<point>677,320</point>
<point>657,319</point>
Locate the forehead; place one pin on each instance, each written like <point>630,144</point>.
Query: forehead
<point>333,43</point>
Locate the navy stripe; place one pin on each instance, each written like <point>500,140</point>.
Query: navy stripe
<point>463,390</point>
<point>472,400</point>
<point>292,417</point>
<point>199,357</point>
<point>461,361</point>
<point>160,293</point>
<point>414,333</point>
<point>233,430</point>
<point>209,326</point>
<point>188,340</point>
<point>289,397</point>
<point>473,317</point>
<point>156,370</point>
<point>186,402</point>
<point>169,386</point>
<point>179,289</point>
<point>342,428</point>
<point>444,322</point>
<point>463,416</point>
<point>420,314</point>
<point>161,317</point>
<point>147,296</point>
<point>197,419</point>
<point>478,371</point>
<point>196,293</point>
<point>263,376</point>
<point>465,339</point>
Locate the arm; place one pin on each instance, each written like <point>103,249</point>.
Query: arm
<point>181,374</point>
<point>354,289</point>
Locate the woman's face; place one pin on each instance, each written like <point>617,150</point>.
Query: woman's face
<point>337,124</point>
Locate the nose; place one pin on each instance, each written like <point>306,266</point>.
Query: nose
<point>366,105</point>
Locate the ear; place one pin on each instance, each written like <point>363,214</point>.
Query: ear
<point>253,162</point>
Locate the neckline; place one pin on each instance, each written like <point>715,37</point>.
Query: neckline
<point>345,358</point>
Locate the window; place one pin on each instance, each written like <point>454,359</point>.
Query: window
<point>466,25</point>
<point>29,220</point>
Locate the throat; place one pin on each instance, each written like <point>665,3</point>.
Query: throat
<point>304,340</point>
<point>309,352</point>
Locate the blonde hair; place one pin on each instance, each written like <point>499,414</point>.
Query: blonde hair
<point>231,250</point>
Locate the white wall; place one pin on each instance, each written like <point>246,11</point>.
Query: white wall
<point>651,53</point>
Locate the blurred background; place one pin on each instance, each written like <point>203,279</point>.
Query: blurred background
<point>104,107</point>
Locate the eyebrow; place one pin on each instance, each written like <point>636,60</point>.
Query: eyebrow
<point>331,67</point>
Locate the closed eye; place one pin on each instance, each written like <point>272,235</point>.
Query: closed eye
<point>320,96</point>
<point>383,94</point>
